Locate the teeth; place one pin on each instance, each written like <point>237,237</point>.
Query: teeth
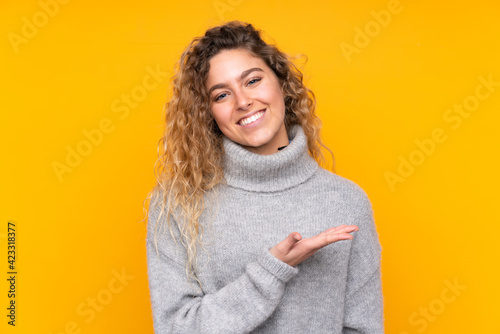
<point>252,118</point>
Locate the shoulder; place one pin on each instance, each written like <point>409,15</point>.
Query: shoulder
<point>349,191</point>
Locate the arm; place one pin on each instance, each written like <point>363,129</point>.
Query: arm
<point>239,307</point>
<point>363,312</point>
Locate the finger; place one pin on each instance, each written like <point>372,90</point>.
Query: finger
<point>331,229</point>
<point>321,240</point>
<point>287,244</point>
<point>348,229</point>
<point>341,229</point>
<point>340,235</point>
<point>334,237</point>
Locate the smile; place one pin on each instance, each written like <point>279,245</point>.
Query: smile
<point>251,119</point>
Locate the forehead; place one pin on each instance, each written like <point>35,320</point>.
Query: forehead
<point>228,65</point>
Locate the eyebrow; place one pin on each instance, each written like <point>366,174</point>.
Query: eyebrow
<point>242,76</point>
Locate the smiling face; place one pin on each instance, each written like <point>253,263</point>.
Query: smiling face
<point>246,101</point>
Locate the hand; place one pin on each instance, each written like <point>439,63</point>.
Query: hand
<point>293,250</point>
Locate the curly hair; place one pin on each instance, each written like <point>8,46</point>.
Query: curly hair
<point>190,152</point>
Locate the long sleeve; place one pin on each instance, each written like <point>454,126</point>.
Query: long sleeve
<point>244,288</point>
<point>181,307</point>
<point>363,313</point>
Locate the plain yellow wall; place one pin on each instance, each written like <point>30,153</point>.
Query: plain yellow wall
<point>409,93</point>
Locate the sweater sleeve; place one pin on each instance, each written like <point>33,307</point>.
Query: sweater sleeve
<point>182,307</point>
<point>363,312</point>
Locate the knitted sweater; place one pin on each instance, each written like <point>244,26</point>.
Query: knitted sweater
<point>244,287</point>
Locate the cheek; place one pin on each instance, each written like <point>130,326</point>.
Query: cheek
<point>221,116</point>
<point>272,92</point>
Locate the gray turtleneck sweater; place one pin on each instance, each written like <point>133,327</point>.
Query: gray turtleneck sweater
<point>244,288</point>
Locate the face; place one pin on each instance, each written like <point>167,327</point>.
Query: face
<point>246,101</point>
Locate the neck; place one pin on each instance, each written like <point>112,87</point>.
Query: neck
<point>273,146</point>
<point>267,173</point>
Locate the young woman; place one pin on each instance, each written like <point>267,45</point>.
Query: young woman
<point>246,233</point>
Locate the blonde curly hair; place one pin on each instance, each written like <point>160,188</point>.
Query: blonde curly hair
<point>190,152</point>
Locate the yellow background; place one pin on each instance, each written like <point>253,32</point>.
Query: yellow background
<point>438,225</point>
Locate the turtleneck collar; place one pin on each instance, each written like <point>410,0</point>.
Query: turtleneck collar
<point>268,173</point>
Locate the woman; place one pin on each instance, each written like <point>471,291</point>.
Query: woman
<point>237,173</point>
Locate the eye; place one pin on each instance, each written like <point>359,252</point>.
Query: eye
<point>253,81</point>
<point>220,97</point>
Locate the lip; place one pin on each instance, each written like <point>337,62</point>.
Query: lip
<point>250,115</point>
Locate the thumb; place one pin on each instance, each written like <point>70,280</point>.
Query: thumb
<point>290,241</point>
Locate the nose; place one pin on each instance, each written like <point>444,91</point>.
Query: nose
<point>243,100</point>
